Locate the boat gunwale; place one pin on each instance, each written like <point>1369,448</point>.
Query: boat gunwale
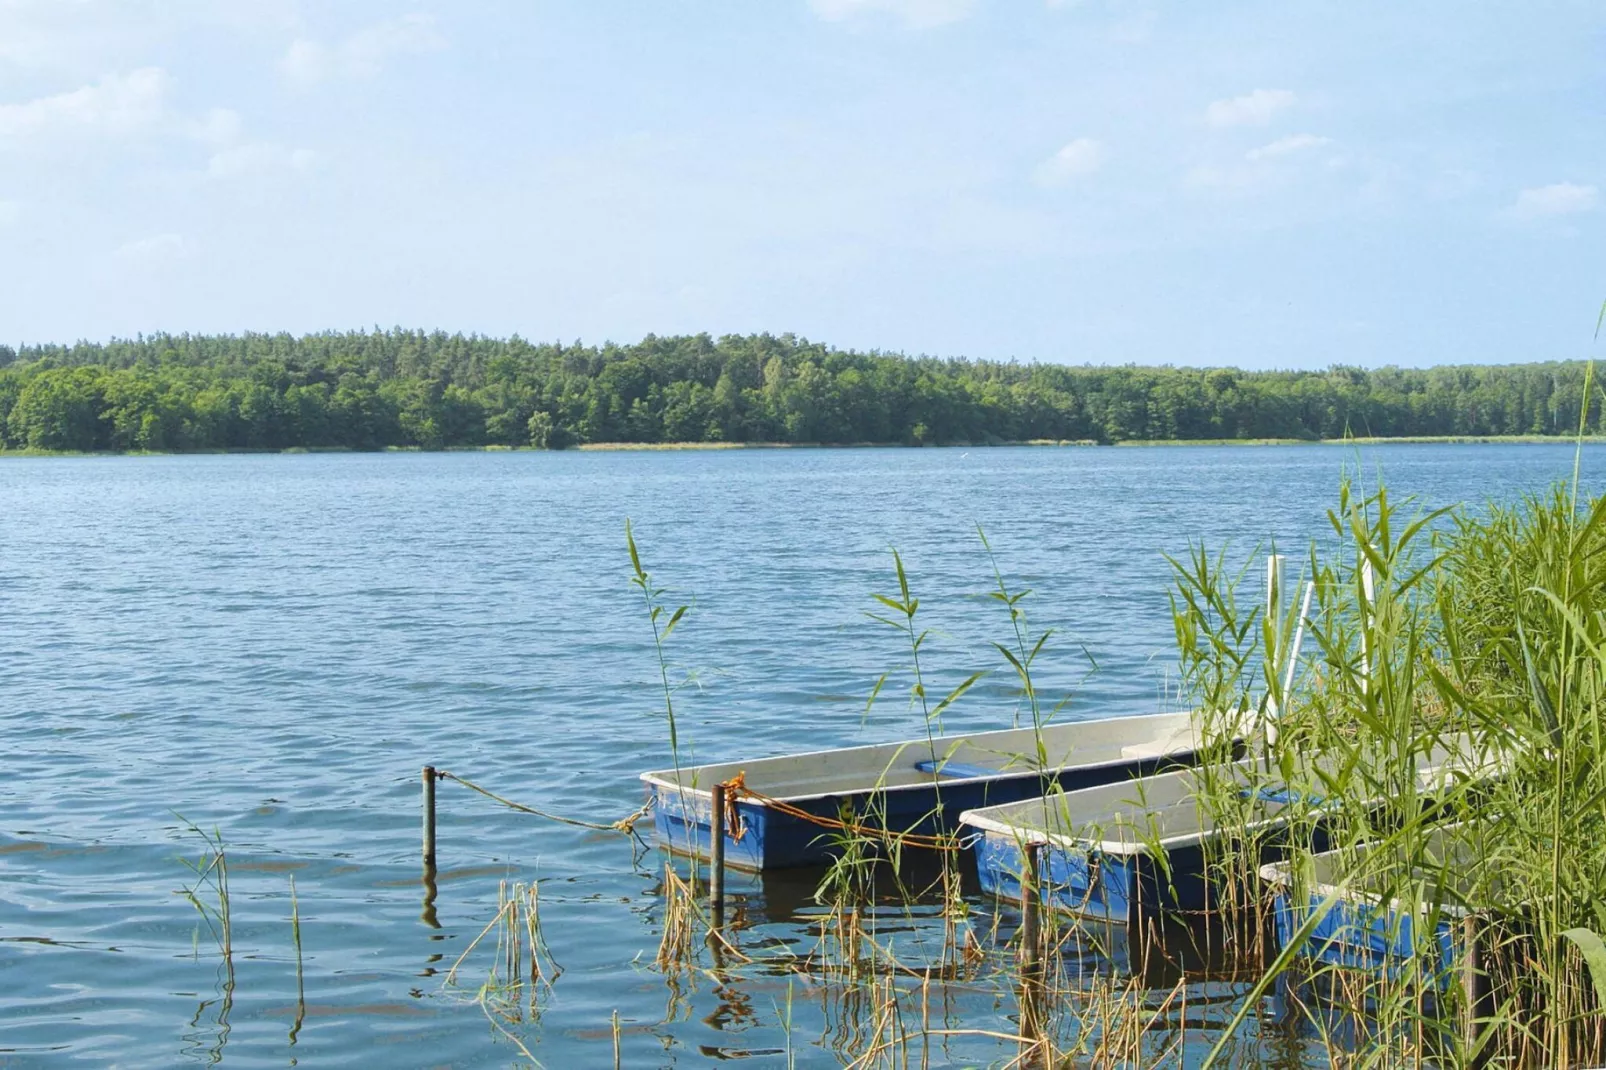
<point>1430,777</point>
<point>664,778</point>
<point>1024,834</point>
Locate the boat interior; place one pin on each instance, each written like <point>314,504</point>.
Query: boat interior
<point>1164,811</point>
<point>949,759</point>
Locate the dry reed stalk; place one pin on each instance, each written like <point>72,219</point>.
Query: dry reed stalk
<point>678,942</point>
<point>522,966</point>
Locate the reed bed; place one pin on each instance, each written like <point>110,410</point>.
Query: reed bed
<point>1479,892</point>
<point>1469,644</point>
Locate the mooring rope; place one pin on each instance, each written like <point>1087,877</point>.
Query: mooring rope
<point>736,788</point>
<point>627,825</point>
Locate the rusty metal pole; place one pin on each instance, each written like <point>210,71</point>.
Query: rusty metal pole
<point>429,818</point>
<point>1030,908</point>
<point>716,850</point>
<point>1032,1007</point>
<point>1475,988</point>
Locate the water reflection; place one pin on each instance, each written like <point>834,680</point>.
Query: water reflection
<point>431,890</point>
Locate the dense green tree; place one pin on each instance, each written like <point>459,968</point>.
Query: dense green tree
<point>399,388</point>
<point>60,410</point>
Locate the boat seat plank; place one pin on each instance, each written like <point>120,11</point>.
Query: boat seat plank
<point>954,769</point>
<point>1281,794</point>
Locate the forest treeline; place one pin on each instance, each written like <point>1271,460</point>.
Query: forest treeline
<point>389,388</point>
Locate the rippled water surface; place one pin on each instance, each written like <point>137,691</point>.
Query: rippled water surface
<point>272,646</point>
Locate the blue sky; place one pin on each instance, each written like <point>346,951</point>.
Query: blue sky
<point>1277,184</point>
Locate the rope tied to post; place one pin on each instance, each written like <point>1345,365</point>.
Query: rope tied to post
<point>626,825</point>
<point>736,788</point>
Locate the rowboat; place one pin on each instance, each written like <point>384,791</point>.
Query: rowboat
<point>1356,926</point>
<point>1118,851</point>
<point>1115,851</point>
<point>788,806</point>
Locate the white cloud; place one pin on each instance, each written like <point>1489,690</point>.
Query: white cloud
<point>364,53</point>
<point>117,104</point>
<point>10,212</point>
<point>410,35</point>
<point>132,105</point>
<point>145,252</point>
<point>1285,146</point>
<point>39,34</point>
<point>259,159</point>
<point>920,13</point>
<point>1076,160</point>
<point>1561,198</point>
<point>305,61</point>
<point>220,126</point>
<point>86,36</point>
<point>1251,109</point>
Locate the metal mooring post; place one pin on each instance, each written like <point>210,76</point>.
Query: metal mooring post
<point>1475,987</point>
<point>429,818</point>
<point>716,850</point>
<point>1030,907</point>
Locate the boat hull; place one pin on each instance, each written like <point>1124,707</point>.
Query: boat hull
<point>1121,853</point>
<point>1358,934</point>
<point>768,838</point>
<point>1119,889</point>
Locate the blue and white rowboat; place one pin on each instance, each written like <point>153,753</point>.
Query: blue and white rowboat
<point>1361,929</point>
<point>914,786</point>
<point>1118,851</point>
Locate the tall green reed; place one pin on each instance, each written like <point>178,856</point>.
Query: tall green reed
<point>652,597</point>
<point>209,894</point>
<point>1482,639</point>
<point>906,607</point>
<point>301,988</point>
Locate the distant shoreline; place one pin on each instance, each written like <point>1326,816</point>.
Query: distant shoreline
<point>404,389</point>
<point>660,447</point>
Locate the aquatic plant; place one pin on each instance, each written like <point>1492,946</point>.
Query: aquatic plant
<point>905,608</point>
<point>209,895</point>
<point>521,969</point>
<point>1479,643</point>
<point>301,988</point>
<point>662,628</point>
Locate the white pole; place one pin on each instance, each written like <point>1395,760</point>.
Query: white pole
<point>1274,586</point>
<point>1368,598</point>
<point>1299,639</point>
<point>1274,619</point>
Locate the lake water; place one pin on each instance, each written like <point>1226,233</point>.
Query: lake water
<point>272,646</point>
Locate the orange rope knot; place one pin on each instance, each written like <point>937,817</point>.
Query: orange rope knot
<point>735,788</point>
